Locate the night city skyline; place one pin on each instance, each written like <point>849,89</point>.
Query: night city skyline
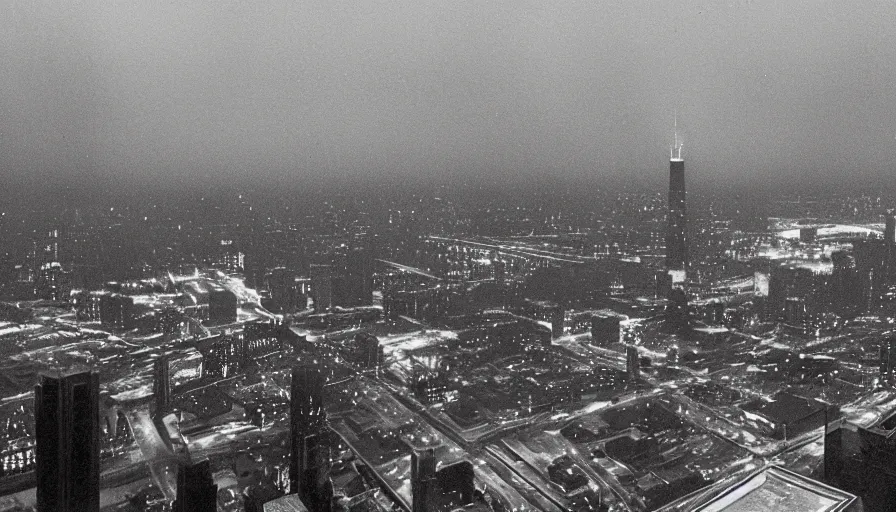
<point>466,257</point>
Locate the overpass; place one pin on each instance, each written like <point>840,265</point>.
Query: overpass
<point>409,269</point>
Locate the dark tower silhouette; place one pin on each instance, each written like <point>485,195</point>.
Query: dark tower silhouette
<point>557,315</point>
<point>316,491</point>
<point>632,363</point>
<point>833,452</point>
<point>353,285</point>
<point>306,453</point>
<point>423,480</point>
<point>322,287</point>
<point>677,315</point>
<point>161,384</point>
<point>890,228</point>
<point>371,353</point>
<point>887,359</point>
<point>676,236</point>
<point>196,490</point>
<point>66,420</point>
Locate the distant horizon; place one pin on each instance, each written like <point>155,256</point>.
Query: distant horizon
<point>697,182</point>
<point>185,95</point>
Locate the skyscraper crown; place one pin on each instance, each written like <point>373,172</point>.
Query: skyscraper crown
<point>675,152</point>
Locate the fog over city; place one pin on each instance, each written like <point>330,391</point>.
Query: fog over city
<point>171,92</point>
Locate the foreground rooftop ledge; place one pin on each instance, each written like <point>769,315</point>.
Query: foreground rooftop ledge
<point>288,503</point>
<point>774,487</point>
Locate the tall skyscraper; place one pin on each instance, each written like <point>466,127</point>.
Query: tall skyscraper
<point>677,312</point>
<point>161,384</point>
<point>890,227</point>
<point>196,489</point>
<point>887,359</point>
<point>284,293</point>
<point>315,489</point>
<point>117,311</point>
<point>306,420</point>
<point>423,480</point>
<point>557,315</point>
<point>676,236</point>
<point>66,421</point>
<point>322,287</point>
<point>370,352</point>
<point>353,285</point>
<point>632,363</point>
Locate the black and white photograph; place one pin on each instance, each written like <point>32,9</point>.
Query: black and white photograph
<point>447,256</point>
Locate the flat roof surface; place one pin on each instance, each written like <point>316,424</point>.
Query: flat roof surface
<point>788,408</point>
<point>775,488</point>
<point>288,503</point>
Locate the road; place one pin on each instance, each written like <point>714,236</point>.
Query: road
<point>473,449</point>
<point>162,461</point>
<point>520,251</point>
<point>412,270</point>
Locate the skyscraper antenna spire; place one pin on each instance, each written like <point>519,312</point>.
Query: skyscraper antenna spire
<point>675,153</point>
<point>676,127</point>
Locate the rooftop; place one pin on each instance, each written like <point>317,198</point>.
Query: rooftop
<point>788,408</point>
<point>775,488</point>
<point>288,503</point>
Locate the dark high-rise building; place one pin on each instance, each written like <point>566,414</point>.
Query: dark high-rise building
<point>429,386</point>
<point>604,330</point>
<point>196,489</point>
<point>117,312</point>
<point>169,322</point>
<point>632,363</point>
<point>315,488</point>
<point>846,285</point>
<point>890,227</point>
<point>52,282</point>
<point>789,281</point>
<point>285,294</point>
<point>677,234</point>
<point>455,486</point>
<point>663,284</point>
<point>221,306</point>
<point>87,306</point>
<point>354,284</point>
<point>370,353</point>
<point>423,304</point>
<point>500,271</point>
<point>66,420</point>
<point>306,422</point>
<point>423,480</point>
<point>795,311</point>
<point>322,287</point>
<point>557,317</point>
<point>678,318</point>
<point>876,268</point>
<point>888,359</point>
<point>161,384</point>
<point>860,459</point>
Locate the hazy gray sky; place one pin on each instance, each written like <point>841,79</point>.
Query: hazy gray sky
<point>179,90</point>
